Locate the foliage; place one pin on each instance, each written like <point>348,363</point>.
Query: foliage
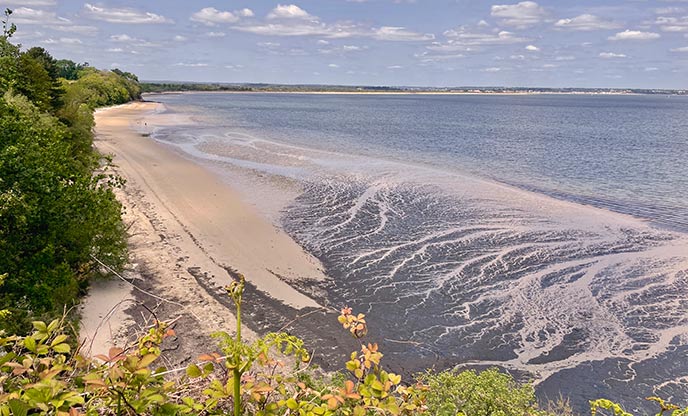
<point>57,209</point>
<point>40,374</point>
<point>489,392</point>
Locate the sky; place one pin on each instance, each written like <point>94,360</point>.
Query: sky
<point>544,43</point>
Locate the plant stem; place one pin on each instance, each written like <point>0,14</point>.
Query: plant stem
<point>237,356</point>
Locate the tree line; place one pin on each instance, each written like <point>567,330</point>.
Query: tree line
<point>57,208</point>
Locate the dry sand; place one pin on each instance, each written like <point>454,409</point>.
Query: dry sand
<point>188,231</point>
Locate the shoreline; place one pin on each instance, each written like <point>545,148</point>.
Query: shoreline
<point>188,233</point>
<point>405,93</point>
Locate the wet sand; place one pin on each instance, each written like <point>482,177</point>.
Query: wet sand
<point>189,233</point>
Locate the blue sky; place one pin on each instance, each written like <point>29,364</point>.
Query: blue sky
<point>584,43</point>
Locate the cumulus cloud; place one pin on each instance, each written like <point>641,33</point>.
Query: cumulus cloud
<point>216,34</point>
<point>672,24</point>
<point>611,55</point>
<point>634,35</point>
<point>289,11</point>
<point>333,65</point>
<point>586,22</point>
<point>532,48</point>
<point>50,20</point>
<point>520,15</point>
<point>291,20</point>
<point>180,38</point>
<point>210,16</point>
<point>123,15</point>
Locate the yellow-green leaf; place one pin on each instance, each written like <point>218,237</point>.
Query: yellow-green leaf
<point>62,348</point>
<point>193,371</point>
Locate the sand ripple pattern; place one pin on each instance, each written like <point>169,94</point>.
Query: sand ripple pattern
<point>472,280</point>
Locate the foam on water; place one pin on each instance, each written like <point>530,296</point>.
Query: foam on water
<point>453,270</point>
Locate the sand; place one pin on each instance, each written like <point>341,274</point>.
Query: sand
<point>187,231</point>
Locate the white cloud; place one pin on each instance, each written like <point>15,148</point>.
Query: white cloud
<point>532,48</point>
<point>191,65</point>
<point>673,24</point>
<point>28,3</point>
<point>521,15</point>
<point>288,11</point>
<point>400,34</point>
<point>210,16</point>
<point>492,69</point>
<point>611,55</point>
<point>586,22</point>
<point>669,10</point>
<point>463,39</point>
<point>123,15</point>
<point>216,34</point>
<point>180,38</point>
<point>341,50</point>
<point>28,16</point>
<point>395,67</point>
<point>246,12</point>
<point>323,42</point>
<point>291,20</point>
<point>565,58</point>
<point>517,57</point>
<point>681,49</point>
<point>634,35</point>
<point>333,66</point>
<point>115,50</point>
<point>268,44</point>
<point>651,69</point>
<point>66,41</point>
<point>124,38</point>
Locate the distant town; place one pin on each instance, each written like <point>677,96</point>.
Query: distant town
<point>172,86</point>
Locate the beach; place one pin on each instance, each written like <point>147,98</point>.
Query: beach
<point>189,234</point>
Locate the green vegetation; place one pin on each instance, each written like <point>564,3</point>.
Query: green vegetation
<point>57,209</point>
<point>39,374</point>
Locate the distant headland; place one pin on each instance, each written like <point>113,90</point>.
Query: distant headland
<point>178,86</point>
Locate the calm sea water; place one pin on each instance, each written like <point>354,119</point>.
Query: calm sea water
<point>543,234</point>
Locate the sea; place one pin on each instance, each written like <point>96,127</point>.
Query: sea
<point>546,235</point>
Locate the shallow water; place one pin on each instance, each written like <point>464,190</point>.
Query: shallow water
<point>543,234</point>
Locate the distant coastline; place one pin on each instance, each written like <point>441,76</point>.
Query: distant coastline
<point>176,87</point>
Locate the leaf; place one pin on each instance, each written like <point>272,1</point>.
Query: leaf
<point>18,407</point>
<point>7,357</point>
<point>62,348</point>
<point>114,352</point>
<point>59,340</point>
<point>146,360</point>
<point>53,325</point>
<point>40,326</point>
<point>292,404</point>
<point>30,344</point>
<point>193,371</point>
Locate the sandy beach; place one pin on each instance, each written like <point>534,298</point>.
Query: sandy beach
<point>189,232</point>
